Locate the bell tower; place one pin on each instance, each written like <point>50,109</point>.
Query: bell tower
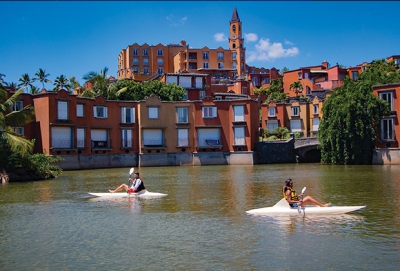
<point>236,44</point>
<point>235,32</point>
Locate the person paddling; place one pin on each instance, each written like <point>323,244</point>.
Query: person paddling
<point>293,199</point>
<point>137,185</point>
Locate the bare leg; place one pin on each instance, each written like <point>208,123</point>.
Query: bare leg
<point>309,199</point>
<point>120,188</point>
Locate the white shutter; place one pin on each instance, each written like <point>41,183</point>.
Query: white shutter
<point>152,137</point>
<point>295,125</point>
<point>214,112</point>
<point>61,137</point>
<point>80,137</point>
<point>79,110</point>
<point>98,135</point>
<point>315,124</point>
<point>207,134</point>
<point>172,79</point>
<point>185,81</point>
<point>62,110</point>
<point>238,111</point>
<point>199,82</point>
<point>239,136</point>
<point>183,137</point>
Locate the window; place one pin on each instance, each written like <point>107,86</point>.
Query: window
<point>183,137</point>
<point>100,112</point>
<point>316,109</point>
<point>387,131</point>
<point>182,114</point>
<point>135,70</point>
<point>239,138</point>
<point>80,137</point>
<point>127,115</point>
<point>209,112</point>
<point>205,55</point>
<point>153,137</point>
<point>146,70</point>
<point>220,65</point>
<point>220,56</point>
<point>354,75</point>
<point>62,110</point>
<point>255,81</point>
<point>153,112</point>
<point>295,125</point>
<point>18,105</point>
<point>160,70</point>
<point>135,61</point>
<point>242,66</point>
<point>300,75</point>
<point>233,65</point>
<point>388,97</point>
<point>272,125</point>
<point>271,111</point>
<point>205,65</point>
<point>295,110</point>
<point>145,52</point>
<point>160,52</point>
<point>126,138</point>
<point>19,130</point>
<point>160,62</point>
<point>238,111</point>
<point>202,94</point>
<point>145,61</point>
<point>79,110</point>
<point>234,56</point>
<point>99,138</point>
<point>135,52</point>
<point>61,137</point>
<point>208,137</point>
<point>266,80</point>
<point>315,124</point>
<point>244,90</point>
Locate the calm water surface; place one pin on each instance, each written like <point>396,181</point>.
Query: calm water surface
<point>202,224</point>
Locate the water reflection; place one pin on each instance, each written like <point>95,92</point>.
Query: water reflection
<point>202,223</point>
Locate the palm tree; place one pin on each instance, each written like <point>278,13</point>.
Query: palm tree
<point>9,140</point>
<point>296,87</point>
<point>1,78</point>
<point>99,81</point>
<point>42,76</point>
<point>26,81</point>
<point>12,85</point>
<point>62,82</point>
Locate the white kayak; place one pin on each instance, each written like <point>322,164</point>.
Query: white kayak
<point>283,208</point>
<point>141,194</point>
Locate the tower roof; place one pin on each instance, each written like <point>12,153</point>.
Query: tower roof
<point>235,16</point>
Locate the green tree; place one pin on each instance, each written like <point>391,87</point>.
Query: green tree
<point>9,140</point>
<point>12,85</point>
<point>99,81</point>
<point>42,77</point>
<point>62,82</point>
<point>296,87</point>
<point>352,114</point>
<point>1,78</point>
<point>285,69</point>
<point>26,81</point>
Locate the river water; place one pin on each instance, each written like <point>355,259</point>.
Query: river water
<point>202,224</point>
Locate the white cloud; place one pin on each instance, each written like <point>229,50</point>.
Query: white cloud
<point>251,37</point>
<point>267,51</point>
<point>288,42</point>
<point>220,37</point>
<point>176,22</point>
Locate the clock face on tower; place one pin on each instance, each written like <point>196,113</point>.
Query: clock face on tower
<point>233,36</point>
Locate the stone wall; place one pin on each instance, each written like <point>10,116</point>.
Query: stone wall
<point>386,157</point>
<point>275,152</point>
<point>85,161</point>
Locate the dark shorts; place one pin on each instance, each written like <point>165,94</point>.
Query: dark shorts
<point>294,205</point>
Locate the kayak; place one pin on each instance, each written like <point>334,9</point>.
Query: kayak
<point>283,208</point>
<point>141,194</point>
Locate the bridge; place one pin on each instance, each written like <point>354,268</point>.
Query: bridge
<point>306,149</point>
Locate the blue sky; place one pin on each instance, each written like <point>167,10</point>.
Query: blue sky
<point>74,37</point>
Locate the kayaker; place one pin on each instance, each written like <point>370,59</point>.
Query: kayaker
<point>137,185</point>
<point>294,200</point>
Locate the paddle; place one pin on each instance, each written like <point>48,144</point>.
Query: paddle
<point>302,197</point>
<point>130,173</point>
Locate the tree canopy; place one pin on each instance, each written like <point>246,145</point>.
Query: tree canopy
<point>352,114</point>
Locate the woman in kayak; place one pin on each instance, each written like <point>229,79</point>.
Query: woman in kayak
<point>293,199</point>
<point>137,185</point>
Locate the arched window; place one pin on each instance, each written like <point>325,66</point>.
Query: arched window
<point>234,46</point>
